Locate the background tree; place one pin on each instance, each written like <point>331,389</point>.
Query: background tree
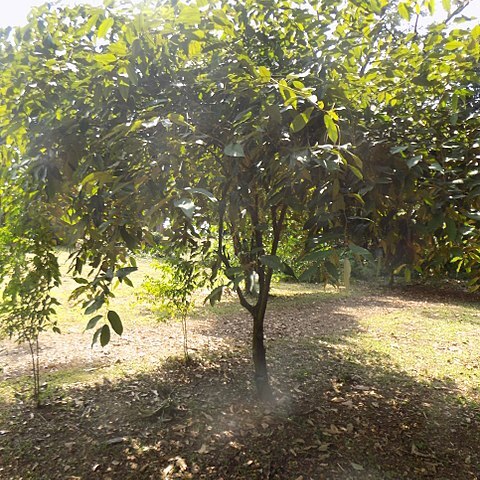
<point>422,171</point>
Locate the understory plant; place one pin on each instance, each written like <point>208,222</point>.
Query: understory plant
<point>172,291</point>
<point>27,306</point>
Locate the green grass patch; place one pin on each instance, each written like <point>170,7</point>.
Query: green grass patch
<point>438,343</point>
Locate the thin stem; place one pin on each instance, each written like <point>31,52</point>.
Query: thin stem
<point>37,351</point>
<point>185,338</point>
<point>35,370</point>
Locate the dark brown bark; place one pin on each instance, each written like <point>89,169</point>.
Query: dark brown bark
<point>262,383</point>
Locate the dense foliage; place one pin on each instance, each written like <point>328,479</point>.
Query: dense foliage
<point>337,128</point>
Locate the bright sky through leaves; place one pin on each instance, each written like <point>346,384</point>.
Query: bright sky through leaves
<point>15,13</point>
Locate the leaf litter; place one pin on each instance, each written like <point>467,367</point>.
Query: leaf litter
<point>338,416</point>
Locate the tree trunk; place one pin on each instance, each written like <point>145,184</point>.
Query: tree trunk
<point>262,383</point>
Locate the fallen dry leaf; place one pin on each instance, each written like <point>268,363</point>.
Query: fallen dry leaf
<point>203,449</point>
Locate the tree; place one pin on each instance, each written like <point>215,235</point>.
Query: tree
<point>423,171</point>
<point>226,123</point>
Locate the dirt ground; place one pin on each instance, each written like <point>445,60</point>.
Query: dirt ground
<point>152,342</point>
<point>135,410</point>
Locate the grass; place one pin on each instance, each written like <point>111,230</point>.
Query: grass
<point>434,344</point>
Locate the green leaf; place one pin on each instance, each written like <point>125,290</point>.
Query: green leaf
<point>437,167</point>
<point>177,119</point>
<point>422,80</point>
<point>288,270</point>
<point>189,15</point>
<point>104,27</point>
<point>105,58</point>
<point>104,335</point>
<point>95,305</point>
<point>476,32</point>
<point>128,238</point>
<point>316,255</point>
<point>215,295</point>
<point>288,95</point>
<point>399,268</point>
<point>273,262</point>
<point>447,5</point>
<point>234,272</point>
<point>356,159</point>
<point>332,270</point>
<point>404,11</point>
<point>118,48</point>
<point>202,191</point>
<point>194,48</point>
<point>81,281</point>
<point>308,274</point>
<point>357,250</point>
<point>474,216</point>
<point>356,171</point>
<point>221,19</point>
<point>264,74</point>
<point>411,162</point>
<point>186,205</point>
<point>132,74</point>
<point>358,197</point>
<point>124,91</point>
<point>234,150</point>
<point>301,120</point>
<point>115,322</point>
<point>431,6</point>
<point>454,45</point>
<point>96,335</point>
<point>435,222</point>
<point>451,229</point>
<point>276,264</point>
<point>93,322</point>
<point>332,129</point>
<point>399,149</point>
<point>97,177</point>
<point>121,273</point>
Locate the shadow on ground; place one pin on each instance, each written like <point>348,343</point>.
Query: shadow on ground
<point>336,418</point>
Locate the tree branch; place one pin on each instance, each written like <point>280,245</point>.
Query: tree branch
<point>244,302</point>
<point>457,11</point>
<point>277,226</point>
